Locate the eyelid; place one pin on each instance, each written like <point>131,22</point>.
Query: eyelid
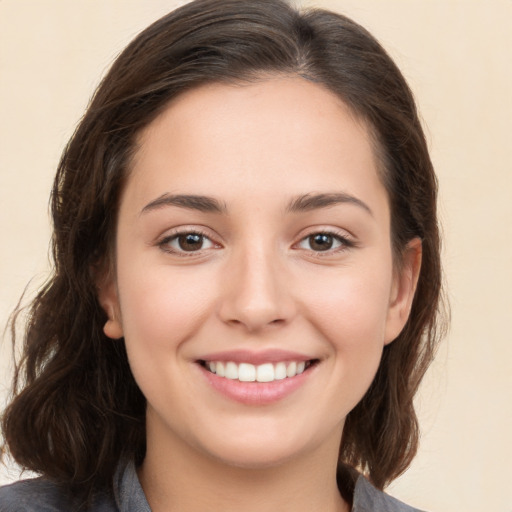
<point>347,240</point>
<point>163,241</point>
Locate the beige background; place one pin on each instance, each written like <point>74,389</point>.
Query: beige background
<point>457,56</point>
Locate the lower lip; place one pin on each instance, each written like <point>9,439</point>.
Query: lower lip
<point>256,393</point>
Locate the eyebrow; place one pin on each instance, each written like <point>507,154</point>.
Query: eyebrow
<point>192,202</point>
<point>308,202</point>
<point>305,202</point>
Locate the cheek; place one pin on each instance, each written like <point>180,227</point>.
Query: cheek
<point>161,310</point>
<point>350,312</point>
<point>163,307</point>
<point>349,308</point>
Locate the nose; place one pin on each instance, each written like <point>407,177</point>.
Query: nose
<point>256,294</point>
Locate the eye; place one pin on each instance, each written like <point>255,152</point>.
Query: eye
<point>323,242</point>
<point>186,242</point>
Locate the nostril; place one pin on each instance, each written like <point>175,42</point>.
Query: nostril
<point>256,325</point>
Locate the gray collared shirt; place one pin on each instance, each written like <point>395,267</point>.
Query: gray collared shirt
<point>40,495</point>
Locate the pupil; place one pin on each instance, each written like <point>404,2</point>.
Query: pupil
<point>190,242</point>
<point>320,242</point>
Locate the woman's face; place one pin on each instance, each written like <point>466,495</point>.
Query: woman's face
<point>255,286</point>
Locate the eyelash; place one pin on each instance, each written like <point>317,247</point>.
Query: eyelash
<point>164,244</point>
<point>345,242</point>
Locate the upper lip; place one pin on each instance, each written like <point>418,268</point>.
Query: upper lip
<point>256,357</point>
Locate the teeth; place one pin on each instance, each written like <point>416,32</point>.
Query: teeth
<point>220,369</point>
<point>291,370</point>
<point>231,371</point>
<point>246,372</point>
<point>265,373</point>
<point>280,371</point>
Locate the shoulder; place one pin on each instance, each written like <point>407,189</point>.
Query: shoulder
<point>35,494</point>
<point>40,495</point>
<point>369,499</point>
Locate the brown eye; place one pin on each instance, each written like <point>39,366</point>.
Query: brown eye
<point>190,242</point>
<point>186,242</point>
<point>321,242</point>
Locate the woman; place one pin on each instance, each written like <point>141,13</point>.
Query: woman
<point>246,280</point>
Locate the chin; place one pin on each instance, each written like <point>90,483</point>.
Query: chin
<point>258,452</point>
<point>255,458</point>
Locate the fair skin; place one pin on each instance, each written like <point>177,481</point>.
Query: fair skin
<point>284,259</point>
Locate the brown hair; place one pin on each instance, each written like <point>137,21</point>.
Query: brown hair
<point>77,409</point>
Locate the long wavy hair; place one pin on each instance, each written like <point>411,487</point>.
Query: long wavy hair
<point>76,409</point>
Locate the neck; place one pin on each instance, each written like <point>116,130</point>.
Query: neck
<point>177,477</point>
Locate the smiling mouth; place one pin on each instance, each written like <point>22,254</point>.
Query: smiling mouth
<point>267,372</point>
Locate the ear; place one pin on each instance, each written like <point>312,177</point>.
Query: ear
<point>403,289</point>
<point>109,301</point>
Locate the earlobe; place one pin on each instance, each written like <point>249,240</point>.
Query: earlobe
<point>403,290</point>
<point>108,298</point>
<point>113,328</point>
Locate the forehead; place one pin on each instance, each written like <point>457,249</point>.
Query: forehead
<point>270,136</point>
